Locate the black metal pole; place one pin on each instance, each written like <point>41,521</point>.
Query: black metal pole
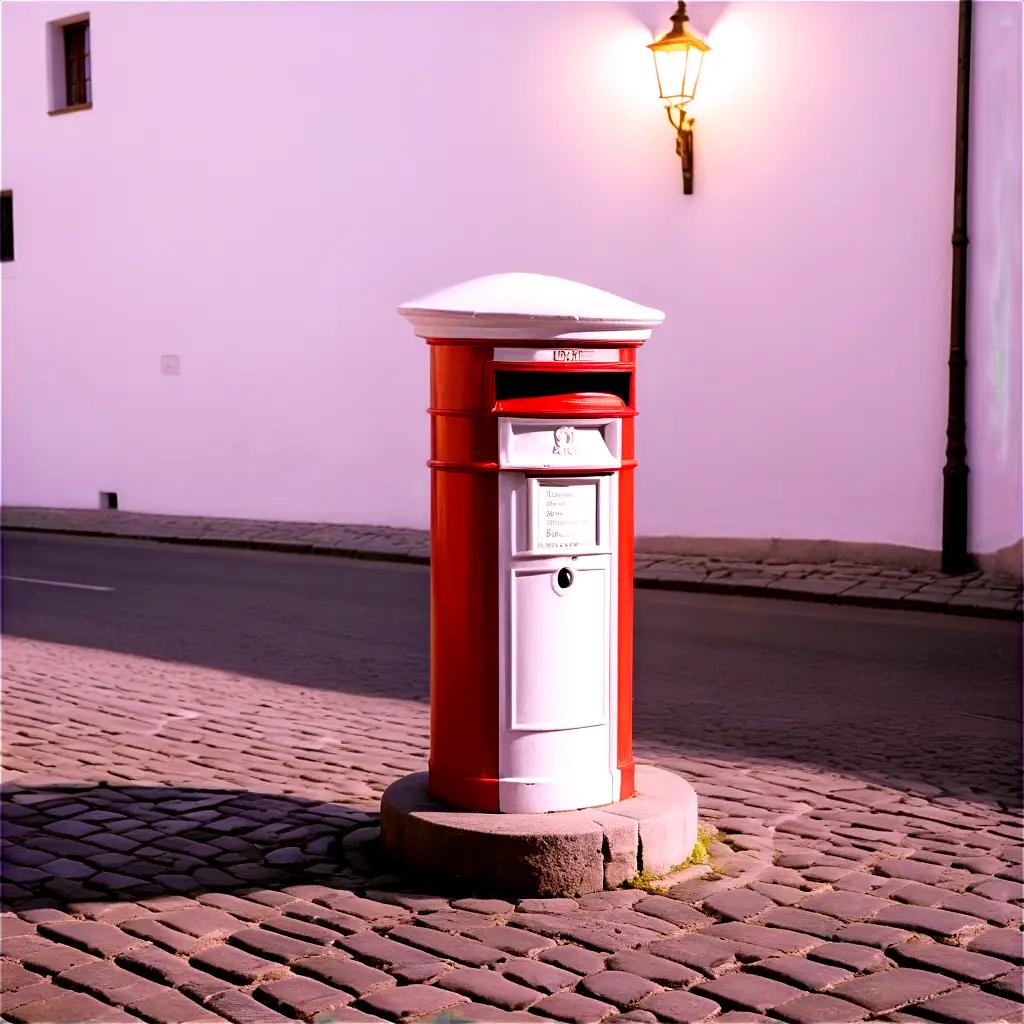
<point>955,556</point>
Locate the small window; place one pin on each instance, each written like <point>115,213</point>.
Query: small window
<point>77,65</point>
<point>6,227</point>
<point>69,64</point>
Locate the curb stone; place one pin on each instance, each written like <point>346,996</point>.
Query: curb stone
<point>976,594</point>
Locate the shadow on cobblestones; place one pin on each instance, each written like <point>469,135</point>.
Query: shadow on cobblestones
<point>928,702</point>
<point>80,844</point>
<point>340,625</point>
<point>901,699</point>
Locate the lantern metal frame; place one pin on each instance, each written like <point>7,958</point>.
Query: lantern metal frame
<point>680,38</point>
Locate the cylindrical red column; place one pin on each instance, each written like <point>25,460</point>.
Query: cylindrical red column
<point>463,577</point>
<point>624,758</point>
<point>561,353</point>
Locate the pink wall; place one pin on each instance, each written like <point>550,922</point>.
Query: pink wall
<point>259,185</point>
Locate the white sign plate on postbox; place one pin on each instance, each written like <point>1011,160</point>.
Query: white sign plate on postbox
<point>564,514</point>
<point>552,444</point>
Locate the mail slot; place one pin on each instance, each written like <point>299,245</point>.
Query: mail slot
<point>534,383</point>
<point>532,475</point>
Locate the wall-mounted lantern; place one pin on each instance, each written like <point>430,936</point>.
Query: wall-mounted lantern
<point>678,57</point>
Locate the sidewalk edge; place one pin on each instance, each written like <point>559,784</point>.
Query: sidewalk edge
<point>282,546</point>
<point>640,581</point>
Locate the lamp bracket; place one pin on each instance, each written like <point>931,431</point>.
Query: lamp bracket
<point>678,118</point>
<point>683,125</point>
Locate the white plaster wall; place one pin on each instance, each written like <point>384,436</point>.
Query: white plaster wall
<point>259,185</point>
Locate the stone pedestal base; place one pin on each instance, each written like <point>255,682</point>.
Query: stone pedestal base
<point>563,853</point>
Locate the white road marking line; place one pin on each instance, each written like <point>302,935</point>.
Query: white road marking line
<point>54,583</point>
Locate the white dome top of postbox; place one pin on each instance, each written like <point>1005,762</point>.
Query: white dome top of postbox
<point>529,307</point>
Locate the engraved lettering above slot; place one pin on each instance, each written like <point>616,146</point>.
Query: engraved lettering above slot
<point>556,355</point>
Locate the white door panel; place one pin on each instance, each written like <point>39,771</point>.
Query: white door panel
<point>557,640</point>
<point>559,677</point>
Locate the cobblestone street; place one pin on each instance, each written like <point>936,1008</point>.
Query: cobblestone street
<point>184,762</point>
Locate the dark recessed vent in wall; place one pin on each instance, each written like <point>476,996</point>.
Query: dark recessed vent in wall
<point>108,499</point>
<point>6,226</point>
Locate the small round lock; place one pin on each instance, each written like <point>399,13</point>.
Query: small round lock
<point>564,578</point>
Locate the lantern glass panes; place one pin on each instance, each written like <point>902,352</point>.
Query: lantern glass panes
<point>677,59</point>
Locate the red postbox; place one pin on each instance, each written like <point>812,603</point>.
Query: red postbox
<point>532,406</point>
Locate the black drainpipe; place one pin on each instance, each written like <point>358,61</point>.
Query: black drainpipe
<point>955,557</point>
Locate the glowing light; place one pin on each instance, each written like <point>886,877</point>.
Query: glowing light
<point>737,60</point>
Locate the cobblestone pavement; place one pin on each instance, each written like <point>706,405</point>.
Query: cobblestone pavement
<point>977,593</point>
<point>174,844</point>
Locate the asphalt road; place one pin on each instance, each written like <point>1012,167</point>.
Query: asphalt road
<point>902,697</point>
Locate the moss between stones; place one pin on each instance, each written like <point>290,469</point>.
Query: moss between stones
<point>646,880</point>
<point>701,854</point>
